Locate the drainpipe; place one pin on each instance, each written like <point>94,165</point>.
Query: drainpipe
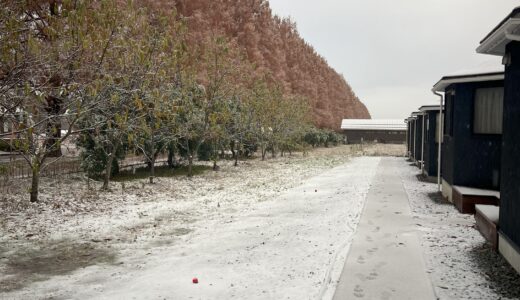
<point>441,140</point>
<point>422,146</point>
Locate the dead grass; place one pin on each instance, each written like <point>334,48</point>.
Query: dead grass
<point>38,261</point>
<point>398,150</point>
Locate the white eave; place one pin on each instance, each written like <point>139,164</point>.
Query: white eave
<point>373,124</point>
<point>488,71</point>
<point>508,30</point>
<point>429,108</point>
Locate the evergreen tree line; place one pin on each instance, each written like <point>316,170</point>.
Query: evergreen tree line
<point>274,44</point>
<point>118,78</point>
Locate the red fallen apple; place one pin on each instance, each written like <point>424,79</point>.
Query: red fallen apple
<point>195,280</point>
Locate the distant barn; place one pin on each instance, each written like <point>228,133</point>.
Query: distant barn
<point>367,130</point>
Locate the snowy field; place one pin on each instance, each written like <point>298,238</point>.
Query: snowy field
<point>261,230</point>
<point>460,263</point>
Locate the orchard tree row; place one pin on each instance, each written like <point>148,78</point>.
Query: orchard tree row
<point>117,77</point>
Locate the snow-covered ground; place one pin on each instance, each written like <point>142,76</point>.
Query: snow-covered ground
<point>278,229</point>
<point>460,263</point>
<point>260,230</point>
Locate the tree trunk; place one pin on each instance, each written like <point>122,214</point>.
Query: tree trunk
<point>108,171</point>
<point>171,157</point>
<point>53,108</point>
<point>190,165</point>
<point>35,183</point>
<point>236,158</point>
<point>232,147</point>
<point>152,169</point>
<point>152,160</point>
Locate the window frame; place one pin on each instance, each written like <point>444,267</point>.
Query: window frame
<point>474,111</point>
<point>449,107</point>
<point>438,137</point>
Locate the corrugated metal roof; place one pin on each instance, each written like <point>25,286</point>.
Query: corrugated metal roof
<point>373,124</point>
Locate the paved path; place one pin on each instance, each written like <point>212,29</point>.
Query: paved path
<point>385,260</point>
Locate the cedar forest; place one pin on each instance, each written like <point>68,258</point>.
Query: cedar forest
<point>190,78</point>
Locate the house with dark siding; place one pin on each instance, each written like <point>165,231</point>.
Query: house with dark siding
<point>504,41</point>
<point>409,136</point>
<point>472,136</point>
<point>417,137</point>
<point>430,141</point>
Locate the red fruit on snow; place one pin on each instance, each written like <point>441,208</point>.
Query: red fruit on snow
<point>195,280</point>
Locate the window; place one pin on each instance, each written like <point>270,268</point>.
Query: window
<point>488,111</point>
<point>437,126</point>
<point>427,137</point>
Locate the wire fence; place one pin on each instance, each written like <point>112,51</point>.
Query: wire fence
<point>19,169</point>
<point>15,170</point>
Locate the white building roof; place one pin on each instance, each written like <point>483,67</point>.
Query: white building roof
<point>373,124</point>
<point>488,71</point>
<point>506,31</point>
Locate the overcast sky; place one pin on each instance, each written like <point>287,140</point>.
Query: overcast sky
<point>393,52</point>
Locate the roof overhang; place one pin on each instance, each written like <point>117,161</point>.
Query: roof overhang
<point>449,80</point>
<point>506,31</point>
<point>429,108</point>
